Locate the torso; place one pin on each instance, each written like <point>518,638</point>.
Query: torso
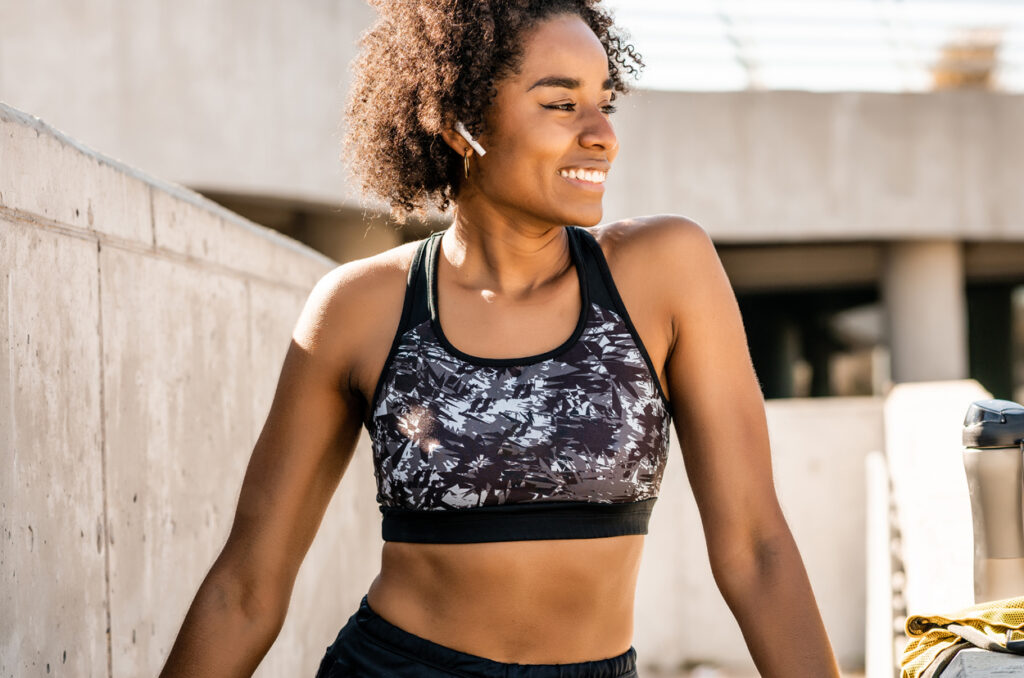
<point>554,601</point>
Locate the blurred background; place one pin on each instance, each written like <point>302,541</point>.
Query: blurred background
<point>857,163</point>
<point>854,137</point>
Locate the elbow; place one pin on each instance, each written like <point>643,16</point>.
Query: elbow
<point>759,563</point>
<point>262,608</point>
<point>758,555</point>
<point>265,611</point>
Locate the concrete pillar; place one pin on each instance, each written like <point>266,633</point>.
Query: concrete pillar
<point>926,311</point>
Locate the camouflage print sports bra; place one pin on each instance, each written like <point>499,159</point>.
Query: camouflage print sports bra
<point>567,444</point>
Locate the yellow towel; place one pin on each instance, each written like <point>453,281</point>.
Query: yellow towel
<point>1000,621</point>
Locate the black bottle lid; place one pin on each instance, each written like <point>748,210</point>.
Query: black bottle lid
<point>994,423</point>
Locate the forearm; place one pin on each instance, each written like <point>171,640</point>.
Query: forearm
<point>225,633</point>
<point>771,597</point>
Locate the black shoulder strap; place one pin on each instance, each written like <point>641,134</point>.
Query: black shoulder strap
<point>604,292</point>
<point>423,274</point>
<point>599,282</point>
<point>414,310</point>
<point>430,256</point>
<point>420,279</point>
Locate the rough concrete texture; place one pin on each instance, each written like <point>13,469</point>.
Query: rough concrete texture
<point>49,176</point>
<point>135,378</point>
<point>216,237</point>
<point>53,592</point>
<point>818,451</point>
<point>177,407</point>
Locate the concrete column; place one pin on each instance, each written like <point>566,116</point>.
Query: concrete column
<point>926,311</point>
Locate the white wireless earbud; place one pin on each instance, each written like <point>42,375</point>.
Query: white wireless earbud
<point>461,129</point>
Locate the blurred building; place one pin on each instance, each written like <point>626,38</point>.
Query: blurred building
<point>871,236</point>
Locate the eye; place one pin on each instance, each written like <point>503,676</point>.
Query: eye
<point>607,109</point>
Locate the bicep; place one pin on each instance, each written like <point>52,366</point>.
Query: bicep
<point>717,403</point>
<point>299,458</point>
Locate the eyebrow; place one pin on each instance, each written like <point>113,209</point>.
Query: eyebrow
<point>564,82</point>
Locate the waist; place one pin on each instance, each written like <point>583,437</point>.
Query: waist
<point>529,602</point>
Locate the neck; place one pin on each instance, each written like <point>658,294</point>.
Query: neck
<point>502,256</point>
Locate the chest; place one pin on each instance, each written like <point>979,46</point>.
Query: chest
<point>582,422</point>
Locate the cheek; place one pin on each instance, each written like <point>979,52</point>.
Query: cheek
<point>519,165</point>
<point>524,152</point>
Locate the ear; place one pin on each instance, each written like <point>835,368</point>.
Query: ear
<point>453,138</point>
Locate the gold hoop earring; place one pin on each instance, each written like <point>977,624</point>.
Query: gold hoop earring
<point>465,161</point>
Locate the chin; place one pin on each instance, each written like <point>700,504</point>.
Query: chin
<point>586,218</point>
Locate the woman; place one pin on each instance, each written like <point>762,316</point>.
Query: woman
<point>519,413</point>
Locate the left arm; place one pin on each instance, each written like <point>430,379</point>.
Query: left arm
<point>720,418</point>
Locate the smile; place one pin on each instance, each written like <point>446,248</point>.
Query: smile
<point>585,175</point>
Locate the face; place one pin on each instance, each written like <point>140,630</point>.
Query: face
<point>550,142</point>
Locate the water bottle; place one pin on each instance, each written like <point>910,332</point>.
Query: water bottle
<point>993,438</point>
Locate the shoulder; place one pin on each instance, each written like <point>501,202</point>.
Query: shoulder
<point>353,305</point>
<point>648,235</point>
<point>349,283</point>
<point>662,245</point>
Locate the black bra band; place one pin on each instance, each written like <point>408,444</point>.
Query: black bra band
<point>514,522</point>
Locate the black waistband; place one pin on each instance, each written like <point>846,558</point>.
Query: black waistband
<point>423,652</point>
<point>517,522</point>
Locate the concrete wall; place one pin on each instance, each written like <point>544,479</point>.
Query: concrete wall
<point>819,446</point>
<point>235,95</point>
<point>246,98</point>
<point>785,166</point>
<point>143,330</point>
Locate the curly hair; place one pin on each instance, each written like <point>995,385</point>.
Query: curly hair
<point>426,62</point>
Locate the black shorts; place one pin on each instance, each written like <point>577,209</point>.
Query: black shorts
<point>371,647</point>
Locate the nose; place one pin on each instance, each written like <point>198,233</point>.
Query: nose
<point>598,133</point>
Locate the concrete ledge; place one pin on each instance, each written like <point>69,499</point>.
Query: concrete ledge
<point>46,175</point>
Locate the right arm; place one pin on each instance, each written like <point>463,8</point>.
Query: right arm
<point>302,452</point>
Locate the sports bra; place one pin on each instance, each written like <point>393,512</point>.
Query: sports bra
<point>566,444</point>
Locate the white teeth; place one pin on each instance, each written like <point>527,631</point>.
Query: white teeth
<point>592,176</point>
